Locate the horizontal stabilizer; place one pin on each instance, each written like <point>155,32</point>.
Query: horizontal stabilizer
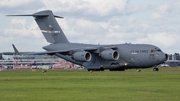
<point>43,15</point>
<point>37,15</point>
<point>58,16</point>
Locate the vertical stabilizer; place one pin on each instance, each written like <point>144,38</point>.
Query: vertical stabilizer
<point>49,27</point>
<point>15,50</point>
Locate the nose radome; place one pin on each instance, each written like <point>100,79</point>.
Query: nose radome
<point>166,57</point>
<point>163,57</point>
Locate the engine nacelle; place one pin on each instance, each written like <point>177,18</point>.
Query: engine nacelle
<point>82,56</point>
<point>110,54</point>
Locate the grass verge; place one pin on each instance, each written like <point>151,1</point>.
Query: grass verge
<point>80,85</point>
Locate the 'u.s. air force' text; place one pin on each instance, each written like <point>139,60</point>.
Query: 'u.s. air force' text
<point>139,51</point>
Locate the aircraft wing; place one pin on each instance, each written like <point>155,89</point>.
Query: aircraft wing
<point>66,51</point>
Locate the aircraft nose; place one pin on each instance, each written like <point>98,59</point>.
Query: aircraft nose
<point>163,57</point>
<point>166,57</point>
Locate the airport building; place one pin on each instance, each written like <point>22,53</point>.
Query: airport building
<point>176,56</point>
<point>173,60</point>
<point>11,61</point>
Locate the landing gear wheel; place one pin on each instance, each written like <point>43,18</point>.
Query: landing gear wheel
<point>101,69</point>
<point>156,69</point>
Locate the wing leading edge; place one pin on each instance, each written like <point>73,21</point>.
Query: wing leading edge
<point>94,49</point>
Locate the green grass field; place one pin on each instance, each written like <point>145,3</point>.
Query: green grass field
<point>80,85</point>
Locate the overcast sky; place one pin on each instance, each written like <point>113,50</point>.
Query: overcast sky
<point>155,22</point>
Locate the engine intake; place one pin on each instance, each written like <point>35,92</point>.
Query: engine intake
<point>82,56</point>
<point>110,54</point>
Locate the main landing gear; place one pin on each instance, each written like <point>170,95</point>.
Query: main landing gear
<point>155,69</point>
<point>101,69</point>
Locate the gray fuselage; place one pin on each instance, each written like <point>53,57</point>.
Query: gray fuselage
<point>130,56</point>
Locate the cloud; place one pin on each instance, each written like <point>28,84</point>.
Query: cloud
<point>164,39</point>
<point>104,8</point>
<point>20,6</point>
<point>13,3</point>
<point>87,7</point>
<point>156,16</point>
<point>97,21</point>
<point>77,29</point>
<point>5,39</point>
<point>18,23</point>
<point>19,28</point>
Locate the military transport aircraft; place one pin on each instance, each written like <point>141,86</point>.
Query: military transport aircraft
<point>117,57</point>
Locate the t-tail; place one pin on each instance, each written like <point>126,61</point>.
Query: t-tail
<point>49,26</point>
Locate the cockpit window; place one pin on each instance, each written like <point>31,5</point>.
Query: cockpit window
<point>159,50</point>
<point>156,49</point>
<point>153,50</point>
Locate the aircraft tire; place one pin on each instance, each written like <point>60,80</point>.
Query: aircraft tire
<point>96,69</point>
<point>116,69</point>
<point>101,69</point>
<point>156,69</point>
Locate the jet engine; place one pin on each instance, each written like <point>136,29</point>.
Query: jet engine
<point>82,56</point>
<point>110,54</point>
